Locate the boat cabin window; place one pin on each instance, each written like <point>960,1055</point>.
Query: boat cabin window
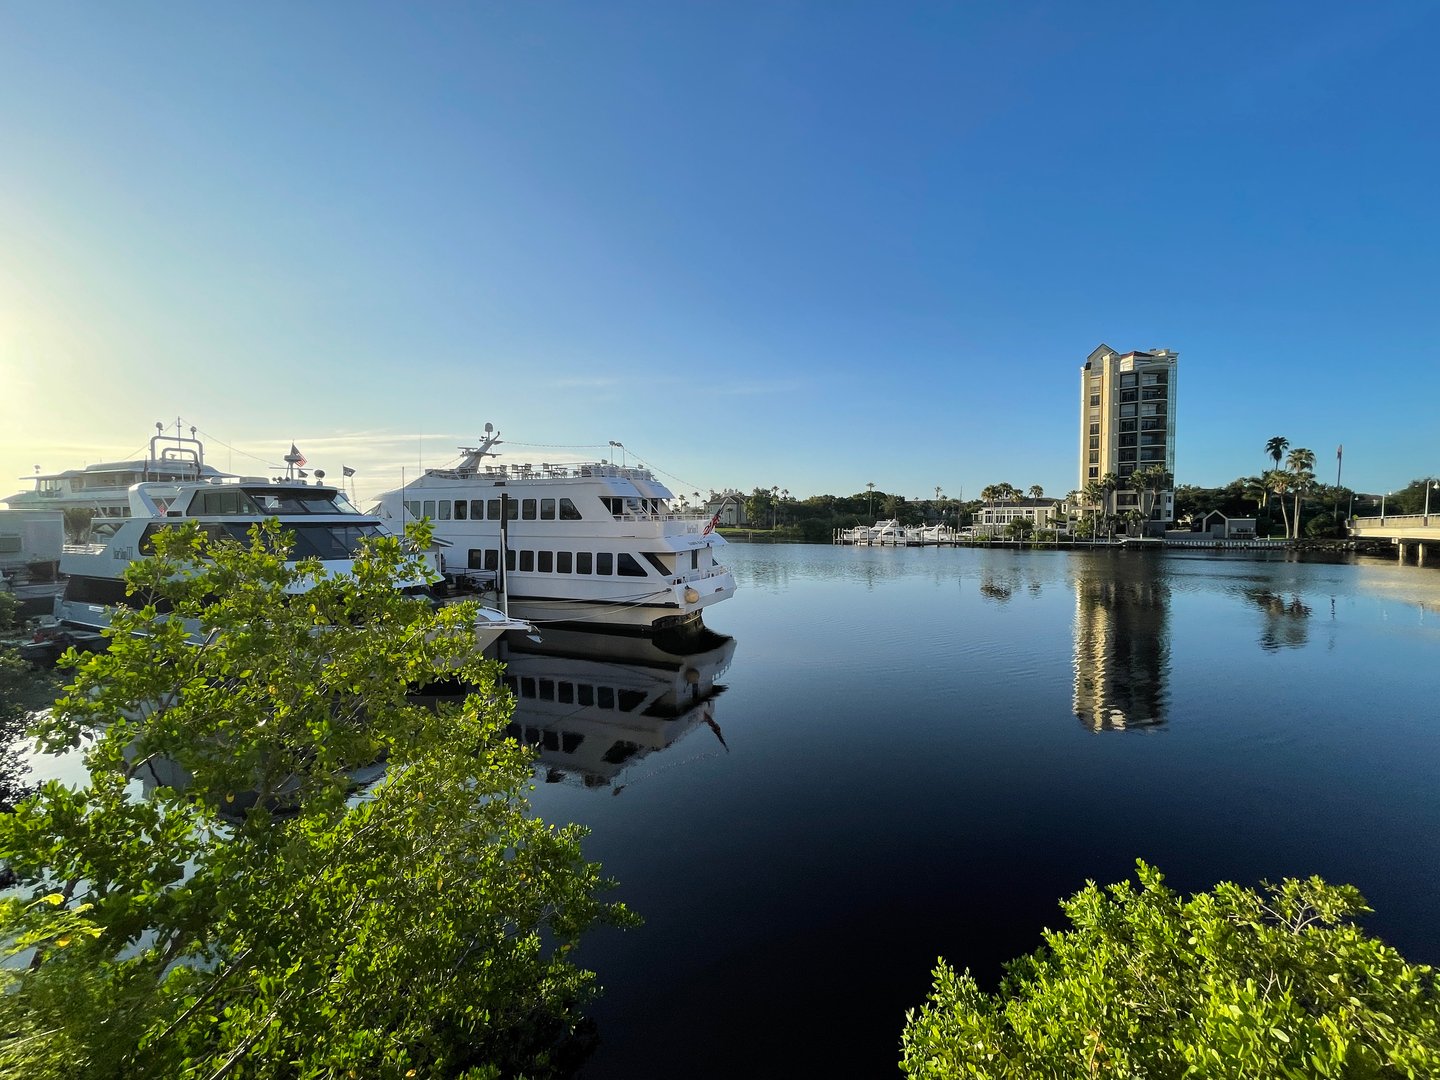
<point>568,512</point>
<point>562,562</point>
<point>628,567</point>
<point>547,509</point>
<point>695,559</point>
<point>429,506</point>
<point>615,506</point>
<point>662,563</point>
<point>461,507</point>
<point>301,501</point>
<point>476,561</point>
<point>546,564</point>
<point>217,503</point>
<point>527,562</point>
<point>510,560</point>
<point>582,562</point>
<point>605,563</point>
<point>413,506</point>
<point>477,509</point>
<point>528,511</point>
<point>444,509</point>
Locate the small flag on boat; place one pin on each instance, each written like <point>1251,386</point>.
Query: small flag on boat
<point>295,457</point>
<point>713,522</point>
<point>347,470</point>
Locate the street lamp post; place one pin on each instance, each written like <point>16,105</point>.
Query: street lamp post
<point>1428,485</point>
<point>1382,507</point>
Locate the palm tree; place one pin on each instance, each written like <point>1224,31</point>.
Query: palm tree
<point>1300,462</point>
<point>1036,491</point>
<point>1094,496</point>
<point>1279,483</point>
<point>1275,448</point>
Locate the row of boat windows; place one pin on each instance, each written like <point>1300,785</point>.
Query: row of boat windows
<point>310,541</point>
<point>599,563</point>
<point>489,509</point>
<point>239,501</point>
<point>565,692</point>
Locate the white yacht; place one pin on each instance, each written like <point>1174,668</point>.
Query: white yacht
<point>324,523</point>
<point>104,488</point>
<point>590,545</point>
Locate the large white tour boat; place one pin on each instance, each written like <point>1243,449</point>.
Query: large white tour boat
<point>104,487</point>
<point>590,545</point>
<point>324,523</point>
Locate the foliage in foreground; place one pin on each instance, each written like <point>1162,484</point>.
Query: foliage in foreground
<point>265,918</point>
<point>1230,983</point>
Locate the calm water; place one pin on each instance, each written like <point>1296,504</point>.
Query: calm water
<point>917,752</point>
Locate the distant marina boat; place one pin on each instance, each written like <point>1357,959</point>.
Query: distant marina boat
<point>324,523</point>
<point>104,487</point>
<point>591,545</point>
<point>891,533</point>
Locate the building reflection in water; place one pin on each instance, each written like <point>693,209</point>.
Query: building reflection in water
<point>1122,645</point>
<point>593,705</point>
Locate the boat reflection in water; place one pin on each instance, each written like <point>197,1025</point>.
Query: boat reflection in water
<point>1122,647</point>
<point>592,704</point>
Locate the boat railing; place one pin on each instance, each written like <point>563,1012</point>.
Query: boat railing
<point>525,470</point>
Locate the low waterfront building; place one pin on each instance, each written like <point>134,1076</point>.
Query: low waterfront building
<point>992,518</point>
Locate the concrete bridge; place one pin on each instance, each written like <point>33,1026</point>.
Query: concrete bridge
<point>1408,532</point>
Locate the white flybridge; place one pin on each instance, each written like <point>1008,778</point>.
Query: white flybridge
<point>104,488</point>
<point>324,523</point>
<point>592,545</point>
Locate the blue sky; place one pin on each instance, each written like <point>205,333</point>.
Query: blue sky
<point>802,245</point>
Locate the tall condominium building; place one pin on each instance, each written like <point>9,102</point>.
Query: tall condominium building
<point>1127,422</point>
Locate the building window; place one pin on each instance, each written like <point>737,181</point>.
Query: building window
<point>1094,442</point>
<point>1094,472</point>
<point>1094,429</point>
<point>1094,457</point>
<point>1094,401</point>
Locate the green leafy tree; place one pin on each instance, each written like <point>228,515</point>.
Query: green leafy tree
<point>265,918</point>
<point>1230,984</point>
<point>78,521</point>
<point>1019,528</point>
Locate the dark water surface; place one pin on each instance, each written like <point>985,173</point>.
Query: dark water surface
<point>918,752</point>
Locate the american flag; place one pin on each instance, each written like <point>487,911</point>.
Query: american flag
<point>713,522</point>
<point>295,457</point>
